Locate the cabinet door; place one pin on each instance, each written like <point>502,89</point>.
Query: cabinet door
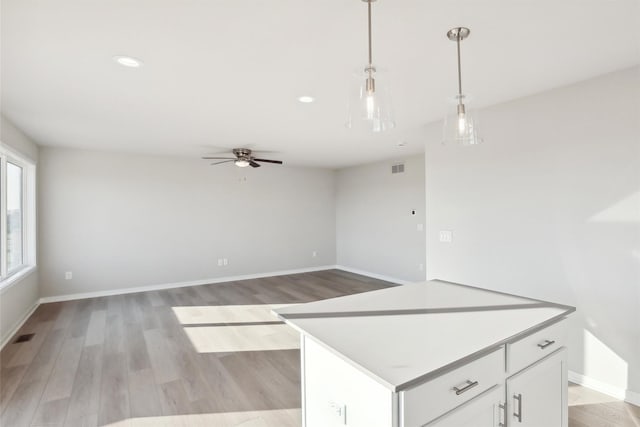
<point>486,410</point>
<point>537,396</point>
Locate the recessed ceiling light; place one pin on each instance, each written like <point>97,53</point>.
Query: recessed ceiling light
<point>128,61</point>
<point>306,99</point>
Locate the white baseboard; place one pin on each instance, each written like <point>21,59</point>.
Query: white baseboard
<point>374,275</point>
<point>608,389</point>
<point>7,338</point>
<point>106,293</point>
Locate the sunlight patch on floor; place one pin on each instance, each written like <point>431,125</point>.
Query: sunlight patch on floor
<point>226,313</point>
<point>222,339</point>
<point>279,417</point>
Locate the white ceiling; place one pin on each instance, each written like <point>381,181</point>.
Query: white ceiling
<point>226,73</point>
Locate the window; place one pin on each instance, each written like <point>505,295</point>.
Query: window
<point>17,213</point>
<point>15,256</point>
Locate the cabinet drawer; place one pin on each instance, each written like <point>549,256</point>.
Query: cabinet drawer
<point>425,402</point>
<point>534,347</point>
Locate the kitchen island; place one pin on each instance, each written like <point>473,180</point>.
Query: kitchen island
<point>434,353</point>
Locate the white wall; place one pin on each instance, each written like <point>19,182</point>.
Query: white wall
<point>119,221</point>
<point>375,231</point>
<point>17,299</point>
<point>549,207</point>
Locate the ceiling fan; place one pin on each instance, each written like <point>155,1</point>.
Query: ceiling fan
<point>243,159</point>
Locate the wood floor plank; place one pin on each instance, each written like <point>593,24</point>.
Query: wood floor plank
<point>162,361</point>
<point>114,389</point>
<point>85,394</point>
<point>136,349</point>
<point>174,399</point>
<point>115,340</point>
<point>23,404</point>
<point>89,420</point>
<point>10,380</point>
<point>81,316</point>
<point>64,371</point>
<point>96,327</point>
<point>65,316</point>
<point>51,413</point>
<point>144,394</point>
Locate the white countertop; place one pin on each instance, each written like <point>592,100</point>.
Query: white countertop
<point>406,334</point>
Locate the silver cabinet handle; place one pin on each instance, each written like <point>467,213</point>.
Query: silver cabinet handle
<point>546,344</point>
<point>469,385</point>
<point>518,414</point>
<point>503,415</point>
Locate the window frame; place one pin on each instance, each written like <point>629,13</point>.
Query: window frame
<point>28,202</point>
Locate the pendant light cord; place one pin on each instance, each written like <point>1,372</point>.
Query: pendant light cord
<point>459,71</point>
<point>369,25</point>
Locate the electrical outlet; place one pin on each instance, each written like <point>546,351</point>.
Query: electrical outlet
<point>420,227</point>
<point>421,267</point>
<point>68,275</point>
<point>339,411</point>
<point>220,264</point>
<point>446,236</point>
<point>225,261</point>
<point>314,254</point>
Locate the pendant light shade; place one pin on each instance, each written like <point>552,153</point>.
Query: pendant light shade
<point>460,126</point>
<point>370,109</point>
<point>370,102</point>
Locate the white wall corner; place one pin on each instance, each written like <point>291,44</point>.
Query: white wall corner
<point>602,387</point>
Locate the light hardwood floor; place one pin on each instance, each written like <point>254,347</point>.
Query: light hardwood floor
<point>199,356</point>
<point>588,408</point>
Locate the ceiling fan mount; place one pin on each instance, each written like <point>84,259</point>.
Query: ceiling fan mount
<point>243,158</point>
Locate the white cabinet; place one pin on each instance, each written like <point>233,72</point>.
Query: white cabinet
<point>522,383</point>
<point>537,396</point>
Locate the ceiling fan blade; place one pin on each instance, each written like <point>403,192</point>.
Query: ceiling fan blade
<point>224,161</point>
<point>219,158</point>
<point>279,162</point>
<point>254,164</point>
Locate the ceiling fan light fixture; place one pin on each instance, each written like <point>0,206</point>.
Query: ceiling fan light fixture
<point>242,163</point>
<point>243,157</point>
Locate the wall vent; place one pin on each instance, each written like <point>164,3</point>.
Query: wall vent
<point>398,168</point>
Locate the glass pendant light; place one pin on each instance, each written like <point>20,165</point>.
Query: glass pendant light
<point>460,127</point>
<point>370,103</point>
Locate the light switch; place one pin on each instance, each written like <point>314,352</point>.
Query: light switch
<point>68,275</point>
<point>420,227</point>
<point>446,236</point>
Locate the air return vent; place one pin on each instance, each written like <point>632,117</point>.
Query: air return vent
<point>398,168</point>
